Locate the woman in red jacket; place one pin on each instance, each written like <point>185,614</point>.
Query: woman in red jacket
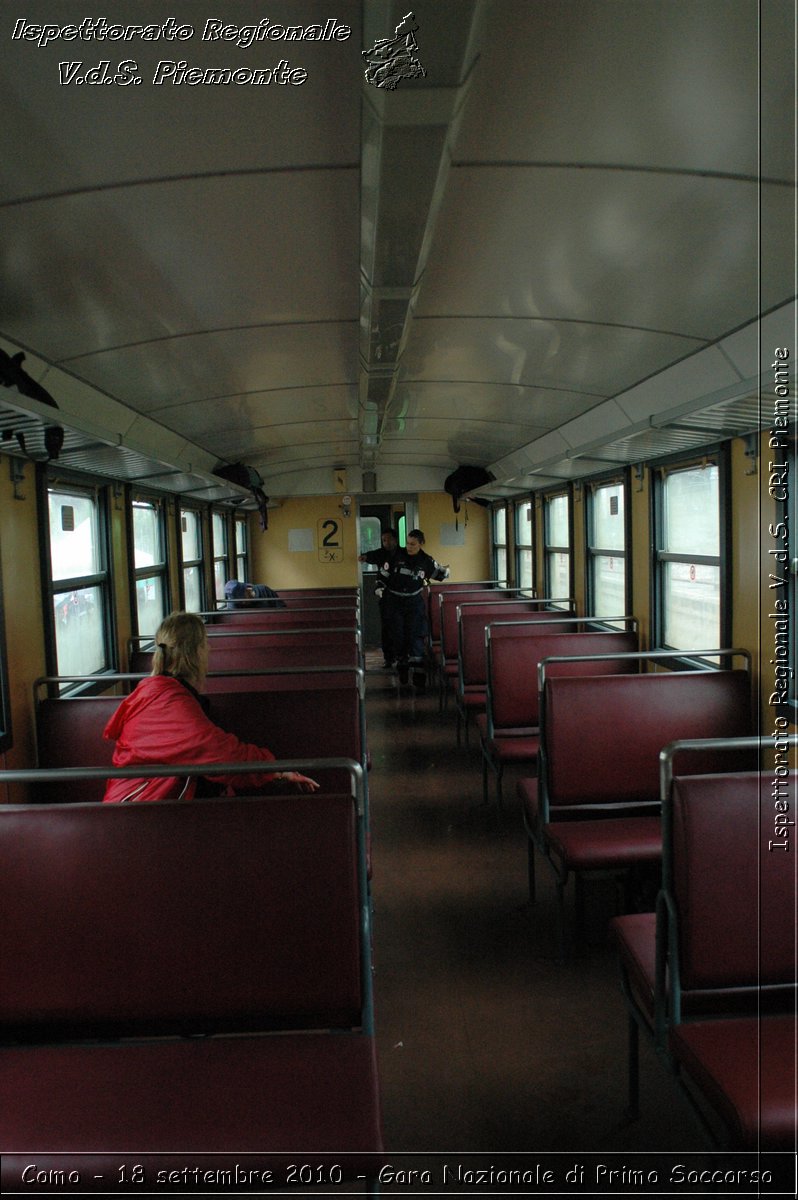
<point>164,721</point>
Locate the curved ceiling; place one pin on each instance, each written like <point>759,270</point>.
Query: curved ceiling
<point>569,245</point>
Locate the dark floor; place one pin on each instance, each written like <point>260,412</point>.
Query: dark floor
<point>486,1042</point>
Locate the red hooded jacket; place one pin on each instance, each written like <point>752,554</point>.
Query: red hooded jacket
<point>162,722</point>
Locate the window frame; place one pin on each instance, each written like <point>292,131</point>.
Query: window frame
<point>240,522</point>
<point>186,563</point>
<point>590,487</point>
<point>521,546</point>
<point>218,558</point>
<point>503,579</point>
<point>550,548</point>
<point>161,569</point>
<point>719,456</point>
<point>51,481</point>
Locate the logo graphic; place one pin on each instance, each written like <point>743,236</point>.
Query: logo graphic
<point>392,59</point>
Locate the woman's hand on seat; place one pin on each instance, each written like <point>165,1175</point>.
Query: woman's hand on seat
<point>303,783</point>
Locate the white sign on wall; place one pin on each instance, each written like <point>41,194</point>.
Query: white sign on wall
<point>451,536</point>
<point>300,539</point>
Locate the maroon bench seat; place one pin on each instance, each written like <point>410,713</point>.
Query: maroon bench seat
<point>286,618</point>
<point>228,918</point>
<point>250,654</point>
<point>444,598</point>
<point>438,588</point>
<point>600,743</point>
<point>318,596</point>
<point>323,600</point>
<point>296,714</point>
<point>319,635</point>
<point>314,1094</point>
<point>711,977</point>
<point>472,619</point>
<point>513,650</point>
<point>597,845</point>
<point>741,1068</point>
<point>507,601</point>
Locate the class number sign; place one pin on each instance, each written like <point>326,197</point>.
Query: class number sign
<point>330,540</point>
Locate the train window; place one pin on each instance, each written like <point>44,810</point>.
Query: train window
<point>557,544</point>
<point>242,548</point>
<point>79,580</point>
<point>499,526</point>
<point>524,546</point>
<point>688,524</point>
<point>606,549</point>
<point>220,553</point>
<point>149,564</point>
<point>191,560</point>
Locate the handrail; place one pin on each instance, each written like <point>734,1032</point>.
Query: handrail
<point>466,583</point>
<point>181,771</point>
<point>260,612</point>
<point>120,676</point>
<point>264,603</point>
<point>753,742</point>
<point>642,655</point>
<point>137,640</point>
<point>632,620</point>
<point>520,599</point>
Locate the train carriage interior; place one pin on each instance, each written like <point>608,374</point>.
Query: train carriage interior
<point>520,274</point>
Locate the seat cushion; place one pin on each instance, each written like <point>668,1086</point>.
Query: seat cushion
<point>513,749</point>
<point>314,1092</point>
<point>615,842</point>
<point>746,1070</point>
<point>635,937</point>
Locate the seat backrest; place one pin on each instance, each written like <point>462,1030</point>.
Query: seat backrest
<point>457,594</point>
<point>441,587</point>
<point>226,637</point>
<point>601,735</point>
<point>451,603</point>
<point>322,601</point>
<point>251,655</point>
<point>69,733</point>
<point>287,618</point>
<point>321,719</point>
<point>235,913</point>
<point>301,715</point>
<point>514,652</point>
<point>333,593</point>
<point>474,618</point>
<point>734,895</point>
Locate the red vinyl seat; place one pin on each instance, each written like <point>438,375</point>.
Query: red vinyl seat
<point>711,977</point>
<point>226,942</point>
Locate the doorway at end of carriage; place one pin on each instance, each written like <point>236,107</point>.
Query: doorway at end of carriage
<point>373,518</point>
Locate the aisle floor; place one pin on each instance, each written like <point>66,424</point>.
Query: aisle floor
<point>486,1042</point>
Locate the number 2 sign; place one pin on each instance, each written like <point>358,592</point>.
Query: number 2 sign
<point>331,542</point>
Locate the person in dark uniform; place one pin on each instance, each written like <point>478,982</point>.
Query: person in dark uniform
<point>405,578</point>
<point>380,558</point>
